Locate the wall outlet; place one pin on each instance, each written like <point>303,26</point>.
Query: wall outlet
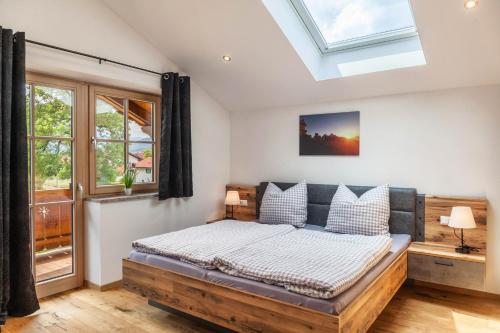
<point>243,202</point>
<point>444,220</point>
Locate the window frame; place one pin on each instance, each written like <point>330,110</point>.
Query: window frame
<point>94,91</point>
<point>354,43</point>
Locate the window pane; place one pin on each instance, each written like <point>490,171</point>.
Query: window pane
<point>109,120</point>
<point>53,170</point>
<point>140,120</point>
<point>140,156</point>
<point>53,240</point>
<point>53,108</point>
<point>109,163</point>
<point>344,20</point>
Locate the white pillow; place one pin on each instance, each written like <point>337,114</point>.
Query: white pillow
<point>284,207</point>
<point>367,215</point>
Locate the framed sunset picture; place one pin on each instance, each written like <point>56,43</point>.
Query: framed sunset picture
<point>329,134</point>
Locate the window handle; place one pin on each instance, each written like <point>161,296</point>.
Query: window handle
<point>93,141</point>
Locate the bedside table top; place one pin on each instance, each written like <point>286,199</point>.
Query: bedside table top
<point>443,251</point>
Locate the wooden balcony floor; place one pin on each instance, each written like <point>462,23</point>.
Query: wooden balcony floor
<point>54,265</point>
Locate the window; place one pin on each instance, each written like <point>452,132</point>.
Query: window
<point>124,134</point>
<point>337,25</point>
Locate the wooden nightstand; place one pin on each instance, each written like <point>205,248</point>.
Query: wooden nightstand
<point>440,264</point>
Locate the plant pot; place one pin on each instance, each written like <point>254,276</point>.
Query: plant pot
<point>128,191</point>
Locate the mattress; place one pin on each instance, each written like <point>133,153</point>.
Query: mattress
<point>334,305</point>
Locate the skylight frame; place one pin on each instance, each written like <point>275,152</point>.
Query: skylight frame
<point>354,43</point>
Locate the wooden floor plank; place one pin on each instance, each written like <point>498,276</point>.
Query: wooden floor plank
<point>413,310</point>
<point>419,309</point>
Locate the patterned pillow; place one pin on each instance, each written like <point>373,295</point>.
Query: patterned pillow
<point>367,215</point>
<point>284,207</point>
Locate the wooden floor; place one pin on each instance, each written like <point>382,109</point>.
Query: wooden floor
<point>415,310</point>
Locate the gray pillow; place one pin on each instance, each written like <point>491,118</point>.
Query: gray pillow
<point>284,207</point>
<point>367,215</point>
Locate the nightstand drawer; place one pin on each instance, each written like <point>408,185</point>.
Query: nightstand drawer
<point>451,272</point>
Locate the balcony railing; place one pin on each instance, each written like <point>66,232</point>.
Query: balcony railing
<point>53,222</point>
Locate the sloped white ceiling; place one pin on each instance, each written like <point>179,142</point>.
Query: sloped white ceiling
<point>462,48</point>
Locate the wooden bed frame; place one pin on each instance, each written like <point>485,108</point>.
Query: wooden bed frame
<point>246,312</point>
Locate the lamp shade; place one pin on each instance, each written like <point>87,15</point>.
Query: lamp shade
<point>462,218</point>
<point>232,198</point>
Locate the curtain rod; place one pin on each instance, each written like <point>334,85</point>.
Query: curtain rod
<point>100,59</point>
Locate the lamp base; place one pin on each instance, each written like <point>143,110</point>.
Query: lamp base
<point>463,249</point>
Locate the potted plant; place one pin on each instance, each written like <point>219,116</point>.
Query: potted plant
<point>129,179</point>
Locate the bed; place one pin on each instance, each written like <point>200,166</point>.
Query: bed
<point>244,305</point>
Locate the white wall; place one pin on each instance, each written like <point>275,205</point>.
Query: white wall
<point>89,26</point>
<point>444,142</point>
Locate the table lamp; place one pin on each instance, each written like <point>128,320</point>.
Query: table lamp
<point>232,199</point>
<point>462,218</point>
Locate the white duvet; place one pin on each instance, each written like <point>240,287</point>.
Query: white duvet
<point>200,245</point>
<point>313,263</point>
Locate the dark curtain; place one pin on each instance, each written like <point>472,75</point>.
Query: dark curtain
<point>175,174</point>
<point>17,287</point>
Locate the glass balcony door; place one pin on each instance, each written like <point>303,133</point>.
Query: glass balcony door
<point>52,109</point>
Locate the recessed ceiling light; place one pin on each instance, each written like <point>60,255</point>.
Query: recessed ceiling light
<point>226,58</point>
<point>469,4</point>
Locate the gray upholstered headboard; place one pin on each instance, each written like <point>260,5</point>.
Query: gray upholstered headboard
<point>407,207</point>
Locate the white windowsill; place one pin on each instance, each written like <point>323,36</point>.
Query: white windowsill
<point>121,197</point>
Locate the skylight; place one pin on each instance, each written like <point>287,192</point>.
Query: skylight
<point>341,38</point>
<point>345,24</point>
